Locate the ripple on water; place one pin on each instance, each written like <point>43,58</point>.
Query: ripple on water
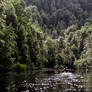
<point>67,81</point>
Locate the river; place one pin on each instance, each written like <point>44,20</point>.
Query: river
<point>46,81</point>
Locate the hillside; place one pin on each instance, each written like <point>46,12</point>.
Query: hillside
<point>45,34</point>
<point>57,15</point>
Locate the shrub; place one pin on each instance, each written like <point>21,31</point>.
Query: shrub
<point>20,66</point>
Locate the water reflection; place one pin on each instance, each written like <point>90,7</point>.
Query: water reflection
<point>41,81</point>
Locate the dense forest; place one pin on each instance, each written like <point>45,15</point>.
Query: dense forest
<point>38,34</point>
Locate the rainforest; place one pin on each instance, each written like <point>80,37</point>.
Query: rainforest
<point>37,34</point>
<point>45,45</point>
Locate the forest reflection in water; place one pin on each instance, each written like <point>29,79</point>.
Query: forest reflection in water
<point>45,81</point>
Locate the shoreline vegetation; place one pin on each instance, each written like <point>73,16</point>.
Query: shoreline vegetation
<point>52,34</point>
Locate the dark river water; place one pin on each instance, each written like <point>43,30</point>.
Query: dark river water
<point>46,81</point>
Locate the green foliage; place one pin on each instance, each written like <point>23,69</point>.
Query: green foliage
<point>8,47</point>
<point>45,33</point>
<point>60,14</point>
<point>83,63</point>
<point>85,60</point>
<point>20,66</point>
<point>36,27</point>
